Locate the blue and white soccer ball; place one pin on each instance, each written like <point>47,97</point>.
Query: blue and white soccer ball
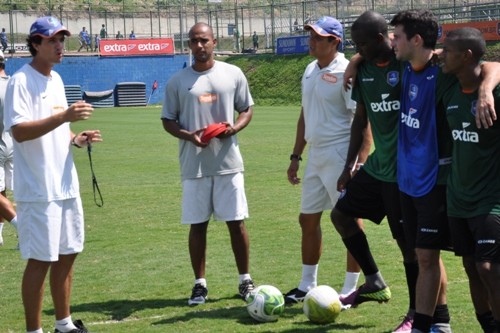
<point>322,305</point>
<point>265,303</point>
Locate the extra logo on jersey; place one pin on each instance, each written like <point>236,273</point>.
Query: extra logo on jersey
<point>413,92</point>
<point>330,78</point>
<point>464,135</point>
<point>473,107</point>
<point>393,78</point>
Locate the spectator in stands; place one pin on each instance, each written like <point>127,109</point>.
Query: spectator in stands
<point>255,39</point>
<point>132,35</point>
<point>3,39</point>
<point>103,34</point>
<point>84,39</point>
<point>97,41</point>
<point>119,35</point>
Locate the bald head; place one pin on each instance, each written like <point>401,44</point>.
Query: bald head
<point>201,28</point>
<point>371,23</point>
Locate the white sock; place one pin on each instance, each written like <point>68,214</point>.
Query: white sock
<point>65,325</point>
<point>14,222</point>
<point>35,331</point>
<point>1,227</point>
<point>201,281</point>
<point>350,282</point>
<point>244,277</point>
<point>309,277</point>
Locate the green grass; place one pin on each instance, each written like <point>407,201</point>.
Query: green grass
<point>134,274</point>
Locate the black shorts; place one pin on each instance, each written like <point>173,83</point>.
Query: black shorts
<point>425,221</point>
<point>369,198</point>
<point>478,236</point>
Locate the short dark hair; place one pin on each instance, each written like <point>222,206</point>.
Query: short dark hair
<point>36,39</point>
<point>418,22</point>
<point>468,39</point>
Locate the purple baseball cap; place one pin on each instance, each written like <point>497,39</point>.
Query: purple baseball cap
<point>47,27</point>
<point>327,26</point>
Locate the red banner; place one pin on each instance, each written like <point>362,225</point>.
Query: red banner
<point>489,29</point>
<point>128,47</point>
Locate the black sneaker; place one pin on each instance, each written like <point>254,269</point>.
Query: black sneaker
<point>295,296</point>
<point>245,288</point>
<point>198,295</point>
<point>80,328</point>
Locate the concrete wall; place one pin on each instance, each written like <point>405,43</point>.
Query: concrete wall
<point>95,73</point>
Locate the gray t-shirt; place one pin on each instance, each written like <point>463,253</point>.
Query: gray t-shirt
<point>197,99</point>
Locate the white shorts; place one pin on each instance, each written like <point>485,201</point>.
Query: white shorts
<point>48,229</point>
<point>223,196</point>
<point>319,184</point>
<point>6,171</point>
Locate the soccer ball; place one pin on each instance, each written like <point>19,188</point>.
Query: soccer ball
<point>322,305</point>
<point>265,303</point>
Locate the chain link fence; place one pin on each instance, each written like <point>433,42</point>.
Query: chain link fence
<point>234,21</point>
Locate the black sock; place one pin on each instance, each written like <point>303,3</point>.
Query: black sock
<point>487,322</point>
<point>360,250</point>
<point>411,271</point>
<point>441,314</point>
<point>422,322</point>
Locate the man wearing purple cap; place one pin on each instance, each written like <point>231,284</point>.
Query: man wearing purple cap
<point>46,188</point>
<point>325,124</point>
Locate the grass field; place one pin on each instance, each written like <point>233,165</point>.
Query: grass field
<point>134,274</point>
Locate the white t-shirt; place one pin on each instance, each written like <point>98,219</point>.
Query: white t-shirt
<point>6,139</point>
<point>328,108</point>
<point>197,99</point>
<point>43,168</point>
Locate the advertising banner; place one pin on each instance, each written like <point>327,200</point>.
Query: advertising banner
<point>490,29</point>
<point>136,47</point>
<point>292,45</point>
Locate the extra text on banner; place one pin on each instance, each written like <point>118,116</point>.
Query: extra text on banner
<point>133,47</point>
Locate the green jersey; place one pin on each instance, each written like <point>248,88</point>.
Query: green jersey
<point>474,182</point>
<point>378,88</point>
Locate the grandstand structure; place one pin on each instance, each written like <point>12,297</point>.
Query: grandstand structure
<point>270,19</point>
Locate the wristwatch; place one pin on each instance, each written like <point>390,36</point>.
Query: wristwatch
<point>295,157</point>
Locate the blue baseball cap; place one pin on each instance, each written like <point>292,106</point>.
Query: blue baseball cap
<point>47,27</point>
<point>327,26</point>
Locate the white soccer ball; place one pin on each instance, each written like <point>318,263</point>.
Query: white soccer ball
<point>265,303</point>
<point>322,305</point>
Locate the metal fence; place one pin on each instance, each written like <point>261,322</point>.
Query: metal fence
<point>234,21</point>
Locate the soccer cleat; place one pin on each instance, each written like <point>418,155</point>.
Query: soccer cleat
<point>245,287</point>
<point>198,295</point>
<point>295,296</point>
<point>405,326</point>
<point>80,328</point>
<point>440,328</point>
<point>364,294</point>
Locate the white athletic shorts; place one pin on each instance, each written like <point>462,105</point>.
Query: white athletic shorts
<point>223,196</point>
<point>48,229</point>
<point>319,183</point>
<point>6,171</point>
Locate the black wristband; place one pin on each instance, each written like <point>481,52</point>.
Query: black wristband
<point>73,143</point>
<point>295,157</point>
